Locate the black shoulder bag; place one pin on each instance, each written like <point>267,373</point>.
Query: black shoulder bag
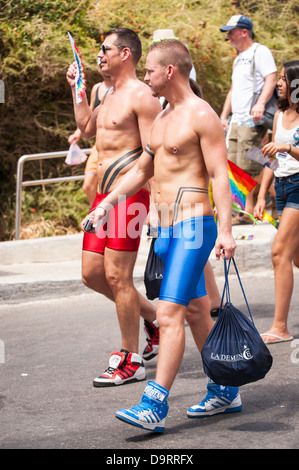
<point>271,106</point>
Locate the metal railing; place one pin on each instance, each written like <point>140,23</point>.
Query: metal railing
<point>21,183</point>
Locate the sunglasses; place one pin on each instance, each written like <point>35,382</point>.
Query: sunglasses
<point>104,48</point>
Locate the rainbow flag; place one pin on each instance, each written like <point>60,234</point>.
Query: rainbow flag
<point>241,184</point>
<point>80,76</point>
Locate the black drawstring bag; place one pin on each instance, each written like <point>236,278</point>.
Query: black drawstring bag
<point>234,353</point>
<point>153,273</point>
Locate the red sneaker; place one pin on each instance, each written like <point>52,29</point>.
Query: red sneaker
<point>124,367</point>
<point>152,338</point>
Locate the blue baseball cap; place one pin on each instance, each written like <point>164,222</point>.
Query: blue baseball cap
<point>238,21</point>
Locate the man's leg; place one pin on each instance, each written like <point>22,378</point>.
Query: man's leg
<point>250,137</point>
<point>199,319</point>
<point>93,273</point>
<point>183,277</point>
<point>170,317</point>
<point>94,277</point>
<point>119,267</point>
<point>232,154</point>
<point>219,399</point>
<point>123,365</point>
<point>151,412</point>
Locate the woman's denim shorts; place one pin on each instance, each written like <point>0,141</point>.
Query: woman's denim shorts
<point>287,192</point>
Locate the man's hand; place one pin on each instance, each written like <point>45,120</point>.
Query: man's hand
<point>71,74</point>
<point>224,122</point>
<point>97,214</point>
<point>257,112</point>
<point>153,219</point>
<point>225,246</point>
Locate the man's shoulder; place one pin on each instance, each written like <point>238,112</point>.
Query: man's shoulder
<point>202,106</point>
<point>264,60</point>
<point>136,90</point>
<point>141,88</point>
<point>202,112</point>
<point>142,97</point>
<point>261,49</point>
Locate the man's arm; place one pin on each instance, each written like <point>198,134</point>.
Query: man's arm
<point>146,108</point>
<point>227,107</point>
<point>76,136</point>
<point>267,91</point>
<point>213,147</point>
<point>85,118</point>
<point>128,185</point>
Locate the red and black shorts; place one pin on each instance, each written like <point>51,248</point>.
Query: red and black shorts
<point>123,229</point>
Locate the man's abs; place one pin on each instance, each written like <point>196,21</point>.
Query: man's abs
<point>182,203</point>
<point>111,169</point>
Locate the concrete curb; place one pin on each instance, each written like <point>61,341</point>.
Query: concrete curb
<point>253,253</point>
<point>26,265</point>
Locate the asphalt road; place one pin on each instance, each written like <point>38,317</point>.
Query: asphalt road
<point>53,342</point>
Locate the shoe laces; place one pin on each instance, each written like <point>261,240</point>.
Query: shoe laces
<point>143,407</point>
<point>210,396</point>
<point>110,370</point>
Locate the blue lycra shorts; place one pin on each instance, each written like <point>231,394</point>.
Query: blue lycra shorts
<point>185,248</point>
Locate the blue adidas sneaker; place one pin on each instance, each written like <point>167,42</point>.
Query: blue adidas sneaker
<point>151,413</point>
<point>219,399</point>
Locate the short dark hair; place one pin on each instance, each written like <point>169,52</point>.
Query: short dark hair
<point>251,33</point>
<point>291,70</point>
<point>176,53</point>
<point>127,38</point>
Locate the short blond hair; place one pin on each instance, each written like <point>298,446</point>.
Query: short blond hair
<point>173,52</point>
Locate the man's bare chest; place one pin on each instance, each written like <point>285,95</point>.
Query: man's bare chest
<point>173,137</point>
<point>116,114</point>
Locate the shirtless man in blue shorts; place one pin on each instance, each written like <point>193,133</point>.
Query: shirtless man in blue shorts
<point>183,154</point>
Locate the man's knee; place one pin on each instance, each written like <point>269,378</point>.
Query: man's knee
<point>191,315</point>
<point>87,279</point>
<point>93,280</point>
<point>118,279</point>
<point>197,311</point>
<point>93,274</point>
<point>170,314</point>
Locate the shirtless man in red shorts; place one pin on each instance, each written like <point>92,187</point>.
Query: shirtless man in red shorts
<point>122,127</point>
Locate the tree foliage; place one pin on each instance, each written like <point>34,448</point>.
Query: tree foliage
<point>37,115</point>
